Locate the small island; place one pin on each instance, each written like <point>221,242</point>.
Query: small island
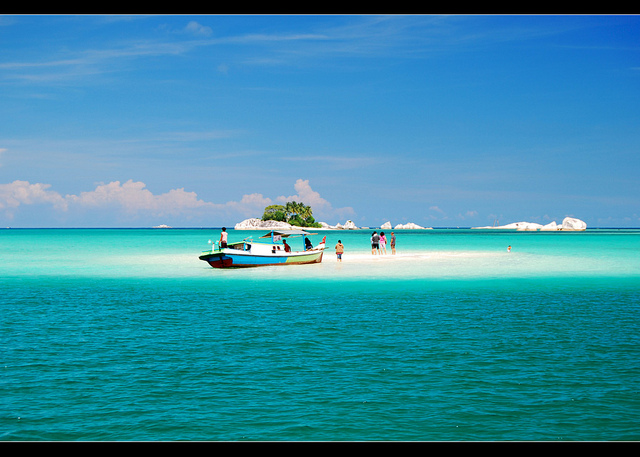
<point>290,216</point>
<point>294,216</point>
<point>293,213</point>
<point>569,224</point>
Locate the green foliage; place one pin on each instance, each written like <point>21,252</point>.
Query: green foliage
<point>294,213</point>
<point>274,213</point>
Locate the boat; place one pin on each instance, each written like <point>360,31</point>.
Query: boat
<point>269,249</point>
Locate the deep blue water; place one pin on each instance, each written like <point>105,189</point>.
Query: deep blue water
<point>118,335</point>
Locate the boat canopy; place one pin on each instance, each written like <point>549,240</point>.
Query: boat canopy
<point>286,233</point>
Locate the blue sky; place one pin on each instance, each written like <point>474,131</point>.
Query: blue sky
<point>202,121</point>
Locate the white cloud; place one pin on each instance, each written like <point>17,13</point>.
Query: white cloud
<point>133,198</point>
<point>198,29</point>
<point>251,205</point>
<point>23,193</point>
<point>306,195</point>
<point>310,197</point>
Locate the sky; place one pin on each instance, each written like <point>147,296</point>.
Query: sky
<point>204,120</point>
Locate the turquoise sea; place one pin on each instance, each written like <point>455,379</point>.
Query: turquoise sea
<point>124,335</point>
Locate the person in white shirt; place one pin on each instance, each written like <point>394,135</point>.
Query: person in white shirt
<point>223,238</point>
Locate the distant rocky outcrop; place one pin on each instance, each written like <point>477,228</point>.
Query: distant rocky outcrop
<point>259,224</point>
<point>550,227</point>
<point>410,226</point>
<point>349,225</point>
<point>514,226</point>
<point>569,224</point>
<point>528,226</point>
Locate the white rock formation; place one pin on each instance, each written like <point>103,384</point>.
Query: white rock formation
<point>568,224</point>
<point>386,226</point>
<point>528,227</point>
<point>258,224</point>
<point>410,225</point>
<point>516,225</point>
<point>572,224</point>
<point>349,225</point>
<point>550,227</point>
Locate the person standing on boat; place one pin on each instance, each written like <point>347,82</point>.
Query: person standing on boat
<point>223,238</point>
<point>393,244</point>
<point>383,243</point>
<point>375,240</point>
<point>339,250</point>
<point>287,248</point>
<point>307,244</point>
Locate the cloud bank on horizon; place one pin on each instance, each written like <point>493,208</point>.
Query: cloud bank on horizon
<point>133,204</point>
<point>204,120</point>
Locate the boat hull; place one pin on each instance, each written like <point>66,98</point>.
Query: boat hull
<point>226,259</point>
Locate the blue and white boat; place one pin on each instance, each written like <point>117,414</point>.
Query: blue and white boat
<point>270,249</point>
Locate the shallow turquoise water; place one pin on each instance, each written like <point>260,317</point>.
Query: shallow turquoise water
<point>126,335</point>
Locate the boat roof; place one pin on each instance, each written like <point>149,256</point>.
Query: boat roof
<point>286,233</point>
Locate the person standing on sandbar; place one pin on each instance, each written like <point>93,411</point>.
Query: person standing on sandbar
<point>393,243</point>
<point>339,250</point>
<point>375,243</point>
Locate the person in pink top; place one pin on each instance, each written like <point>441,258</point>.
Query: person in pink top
<point>383,243</point>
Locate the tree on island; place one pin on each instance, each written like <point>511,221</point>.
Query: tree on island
<point>294,213</point>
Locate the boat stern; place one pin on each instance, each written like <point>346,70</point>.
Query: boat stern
<point>217,259</point>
